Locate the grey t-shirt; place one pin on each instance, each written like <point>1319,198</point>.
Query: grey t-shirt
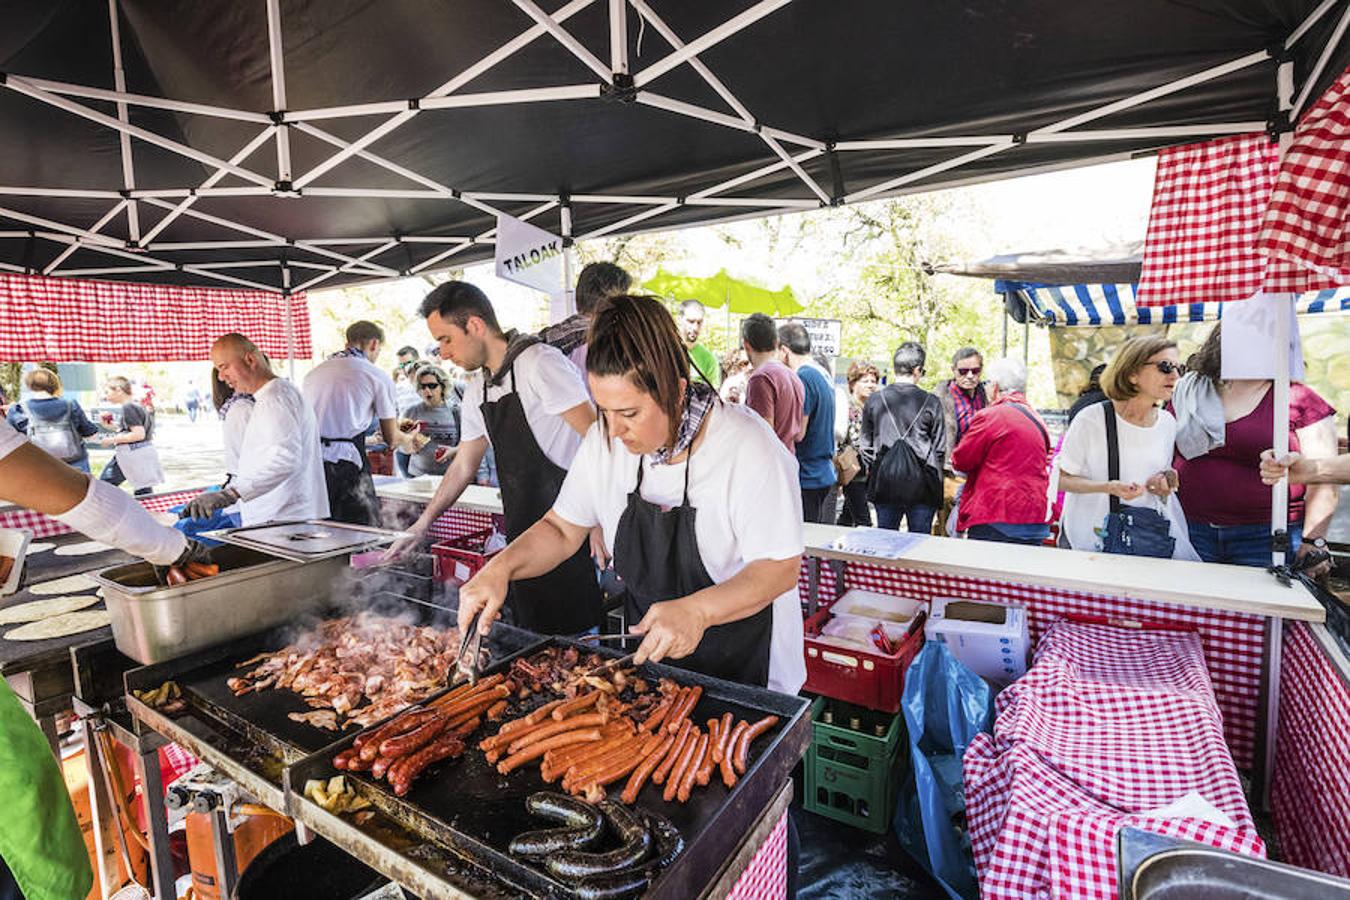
<point>441,424</point>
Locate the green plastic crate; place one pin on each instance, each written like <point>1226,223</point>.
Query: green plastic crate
<point>852,776</point>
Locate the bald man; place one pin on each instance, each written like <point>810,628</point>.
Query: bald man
<point>280,463</point>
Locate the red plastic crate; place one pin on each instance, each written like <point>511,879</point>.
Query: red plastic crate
<point>871,679</point>
<point>459,559</point>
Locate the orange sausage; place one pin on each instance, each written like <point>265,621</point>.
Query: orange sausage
<point>705,763</point>
<point>576,705</point>
<point>658,715</point>
<point>496,711</point>
<point>691,770</point>
<point>590,720</point>
<point>676,777</point>
<point>742,752</point>
<point>534,751</point>
<point>723,738</point>
<point>645,769</point>
<point>680,740</point>
<point>728,770</point>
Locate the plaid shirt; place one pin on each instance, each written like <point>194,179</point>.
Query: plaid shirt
<point>966,407</point>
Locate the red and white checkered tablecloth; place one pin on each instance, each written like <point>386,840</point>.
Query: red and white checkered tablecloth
<point>44,526</point>
<point>1310,794</point>
<point>1307,221</point>
<point>1107,725</point>
<point>71,319</point>
<point>766,876</point>
<point>1209,200</point>
<point>1233,642</point>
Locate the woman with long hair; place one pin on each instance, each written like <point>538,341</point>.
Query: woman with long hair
<point>1138,380</point>
<point>1223,425</point>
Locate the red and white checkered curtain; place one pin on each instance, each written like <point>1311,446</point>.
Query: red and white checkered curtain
<point>1209,201</point>
<point>69,320</point>
<point>1307,222</point>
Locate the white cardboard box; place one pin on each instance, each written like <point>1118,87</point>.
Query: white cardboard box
<point>14,544</point>
<point>990,639</point>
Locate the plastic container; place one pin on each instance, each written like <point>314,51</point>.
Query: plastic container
<point>459,559</point>
<point>871,679</point>
<point>990,639</point>
<point>13,544</point>
<point>852,774</point>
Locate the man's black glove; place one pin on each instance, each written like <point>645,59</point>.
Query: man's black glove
<point>205,504</point>
<point>175,572</point>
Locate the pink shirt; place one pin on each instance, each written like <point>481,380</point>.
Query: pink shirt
<point>775,392</point>
<point>1223,487</point>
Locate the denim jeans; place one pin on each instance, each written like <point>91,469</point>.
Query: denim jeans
<point>918,516</point>
<point>1240,545</point>
<point>992,533</point>
<point>813,505</point>
<point>855,511</point>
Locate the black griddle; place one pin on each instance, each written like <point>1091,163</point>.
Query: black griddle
<point>467,807</point>
<point>254,731</point>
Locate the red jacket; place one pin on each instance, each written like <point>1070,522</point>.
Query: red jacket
<point>1006,462</point>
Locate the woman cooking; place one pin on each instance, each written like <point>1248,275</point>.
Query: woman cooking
<point>698,503</point>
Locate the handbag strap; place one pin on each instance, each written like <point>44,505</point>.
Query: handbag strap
<point>1045,435</point>
<point>1112,451</point>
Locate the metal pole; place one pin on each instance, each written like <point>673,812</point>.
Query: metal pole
<point>161,860</point>
<point>569,262</point>
<point>290,322</point>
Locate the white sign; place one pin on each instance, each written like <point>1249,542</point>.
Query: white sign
<point>528,255</point>
<point>826,334</point>
<point>1248,338</point>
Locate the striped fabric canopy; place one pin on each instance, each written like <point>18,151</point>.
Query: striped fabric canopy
<point>1113,304</point>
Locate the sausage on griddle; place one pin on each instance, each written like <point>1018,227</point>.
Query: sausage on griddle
<point>631,831</point>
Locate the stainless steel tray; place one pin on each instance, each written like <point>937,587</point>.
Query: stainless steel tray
<point>308,540</point>
<point>253,591</point>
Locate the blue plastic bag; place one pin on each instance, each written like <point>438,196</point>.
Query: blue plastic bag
<point>193,528</point>
<point>945,705</point>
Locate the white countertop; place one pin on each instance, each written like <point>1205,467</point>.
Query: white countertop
<point>475,498</point>
<point>1204,585</point>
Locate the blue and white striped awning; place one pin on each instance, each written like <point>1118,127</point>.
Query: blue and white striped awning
<point>1113,304</point>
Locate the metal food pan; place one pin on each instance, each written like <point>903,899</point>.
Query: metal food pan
<point>254,591</point>
<point>467,807</point>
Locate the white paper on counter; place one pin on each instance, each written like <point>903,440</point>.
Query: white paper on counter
<point>879,542</point>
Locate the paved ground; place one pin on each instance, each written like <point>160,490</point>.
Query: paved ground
<point>192,454</point>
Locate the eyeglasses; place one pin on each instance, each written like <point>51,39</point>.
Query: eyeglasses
<point>429,386</point>
<point>975,371</point>
<point>1167,367</point>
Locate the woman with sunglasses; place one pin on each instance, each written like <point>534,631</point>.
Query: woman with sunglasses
<point>1223,425</point>
<point>436,415</point>
<point>1139,379</point>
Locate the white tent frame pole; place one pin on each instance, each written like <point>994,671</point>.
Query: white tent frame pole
<point>14,191</point>
<point>106,270</point>
<point>289,312</point>
<point>484,238</point>
<point>569,300</point>
<point>921,143</point>
<point>123,139</point>
<point>23,86</point>
<point>564,37</point>
<point>277,57</point>
<point>320,279</point>
<point>95,228</point>
<point>923,173</point>
<point>1162,133</point>
<point>708,39</point>
<point>729,98</point>
<point>1313,18</point>
<point>90,237</point>
<point>95,93</point>
<point>1322,60</point>
<point>618,37</point>
<point>631,220</point>
<point>487,62</point>
<point>244,153</point>
<point>753,175</point>
<point>456,101</point>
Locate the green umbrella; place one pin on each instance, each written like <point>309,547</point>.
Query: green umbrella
<point>741,297</point>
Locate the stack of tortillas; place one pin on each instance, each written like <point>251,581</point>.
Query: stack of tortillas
<point>53,618</point>
<point>67,585</point>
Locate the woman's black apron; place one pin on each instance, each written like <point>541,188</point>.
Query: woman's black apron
<point>656,554</point>
<point>566,600</point>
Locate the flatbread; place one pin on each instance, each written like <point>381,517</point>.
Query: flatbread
<point>60,626</point>
<point>43,609</point>
<point>71,584</point>
<point>39,548</point>
<point>82,549</point>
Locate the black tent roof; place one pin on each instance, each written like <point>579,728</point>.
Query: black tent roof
<point>328,142</point>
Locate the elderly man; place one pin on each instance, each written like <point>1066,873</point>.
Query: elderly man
<point>962,395</point>
<point>1005,454</point>
<point>280,470</point>
<point>347,391</point>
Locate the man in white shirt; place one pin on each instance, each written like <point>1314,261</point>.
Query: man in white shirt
<point>347,391</point>
<point>280,473</point>
<point>529,401</point>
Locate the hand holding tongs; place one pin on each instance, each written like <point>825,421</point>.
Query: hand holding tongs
<point>466,665</point>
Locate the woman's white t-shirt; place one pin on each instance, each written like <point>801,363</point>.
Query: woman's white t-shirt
<point>742,482</point>
<point>1143,453</point>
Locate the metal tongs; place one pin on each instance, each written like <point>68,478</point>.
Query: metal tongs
<point>470,646</point>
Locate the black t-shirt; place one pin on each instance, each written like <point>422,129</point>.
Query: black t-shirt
<point>134,414</point>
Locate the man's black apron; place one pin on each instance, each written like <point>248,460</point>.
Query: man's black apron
<point>566,600</point>
<point>351,490</point>
<point>656,554</point>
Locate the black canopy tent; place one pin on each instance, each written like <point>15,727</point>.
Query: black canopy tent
<point>298,144</point>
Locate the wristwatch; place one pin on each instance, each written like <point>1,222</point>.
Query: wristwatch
<point>1317,542</point>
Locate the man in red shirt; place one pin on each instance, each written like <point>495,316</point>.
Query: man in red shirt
<point>1005,454</point>
<point>773,390</point>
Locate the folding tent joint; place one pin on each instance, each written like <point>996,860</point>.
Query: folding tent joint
<point>622,88</point>
<point>278,116</point>
<point>286,189</point>
<point>1278,124</point>
<point>1019,139</point>
<point>414,104</point>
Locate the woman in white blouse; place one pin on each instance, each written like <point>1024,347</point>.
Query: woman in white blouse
<point>1137,382</point>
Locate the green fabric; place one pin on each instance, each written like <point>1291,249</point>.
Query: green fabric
<point>707,363</point>
<point>723,290</point>
<point>40,840</point>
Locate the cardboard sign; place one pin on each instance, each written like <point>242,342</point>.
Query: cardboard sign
<point>1248,338</point>
<point>826,334</point>
<point>528,255</point>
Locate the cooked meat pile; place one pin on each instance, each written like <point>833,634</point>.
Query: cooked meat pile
<point>341,663</point>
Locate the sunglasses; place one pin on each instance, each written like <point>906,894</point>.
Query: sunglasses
<point>429,386</point>
<point>975,371</point>
<point>1167,367</point>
